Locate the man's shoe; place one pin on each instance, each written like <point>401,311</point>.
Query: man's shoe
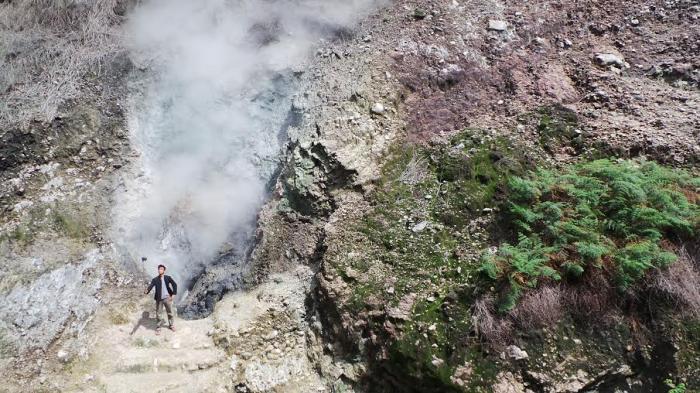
<point>157,331</point>
<point>171,327</point>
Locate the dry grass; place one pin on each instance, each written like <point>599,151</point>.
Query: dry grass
<point>540,308</point>
<point>489,325</point>
<point>46,47</point>
<point>680,284</point>
<point>416,170</point>
<point>596,300</point>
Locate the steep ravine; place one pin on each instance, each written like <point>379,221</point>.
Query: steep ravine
<point>362,272</point>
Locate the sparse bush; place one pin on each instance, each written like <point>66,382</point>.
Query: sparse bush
<point>7,347</point>
<point>540,308</point>
<point>69,224</point>
<point>680,284</point>
<point>46,46</point>
<point>488,323</point>
<point>118,317</point>
<point>618,217</point>
<point>594,301</point>
<point>145,342</point>
<point>416,170</point>
<point>675,388</point>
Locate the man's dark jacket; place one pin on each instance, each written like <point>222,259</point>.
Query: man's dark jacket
<point>169,285</point>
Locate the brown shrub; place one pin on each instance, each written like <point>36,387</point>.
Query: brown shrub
<point>488,324</point>
<point>679,284</point>
<point>594,299</point>
<point>539,308</point>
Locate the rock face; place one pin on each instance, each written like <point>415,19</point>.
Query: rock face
<point>517,78</point>
<point>36,314</point>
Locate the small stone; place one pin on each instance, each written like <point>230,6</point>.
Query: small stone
<point>352,273</point>
<point>437,362</point>
<point>271,335</point>
<point>390,290</point>
<point>577,341</point>
<point>63,356</point>
<point>497,25</point>
<point>378,108</point>
<point>514,352</point>
<point>420,227</point>
<point>609,59</point>
<point>419,13</point>
<point>432,327</point>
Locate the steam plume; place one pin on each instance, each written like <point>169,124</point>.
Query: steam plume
<point>207,116</point>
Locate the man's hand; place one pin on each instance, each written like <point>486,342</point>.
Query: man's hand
<point>172,297</point>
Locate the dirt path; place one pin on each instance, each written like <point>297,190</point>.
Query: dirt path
<point>254,342</point>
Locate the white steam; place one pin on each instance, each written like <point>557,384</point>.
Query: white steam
<point>208,117</point>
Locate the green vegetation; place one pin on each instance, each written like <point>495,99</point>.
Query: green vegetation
<point>675,388</point>
<point>435,208</point>
<point>433,343</point>
<point>69,224</point>
<point>687,335</point>
<point>145,342</point>
<point>67,219</point>
<point>444,188</point>
<point>620,218</point>
<point>118,317</point>
<point>20,235</point>
<point>419,13</point>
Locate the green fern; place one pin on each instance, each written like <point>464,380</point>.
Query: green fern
<point>572,220</point>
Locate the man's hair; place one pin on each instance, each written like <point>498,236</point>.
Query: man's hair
<point>163,266</point>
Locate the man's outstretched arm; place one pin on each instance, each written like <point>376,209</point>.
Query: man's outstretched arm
<point>150,286</point>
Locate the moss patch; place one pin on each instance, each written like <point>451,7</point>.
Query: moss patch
<point>557,127</point>
<point>431,213</point>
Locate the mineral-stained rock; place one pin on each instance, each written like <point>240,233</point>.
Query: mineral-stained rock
<point>39,312</point>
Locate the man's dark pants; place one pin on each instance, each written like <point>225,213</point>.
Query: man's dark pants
<point>168,304</point>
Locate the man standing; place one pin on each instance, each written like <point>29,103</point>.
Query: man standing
<point>166,289</point>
